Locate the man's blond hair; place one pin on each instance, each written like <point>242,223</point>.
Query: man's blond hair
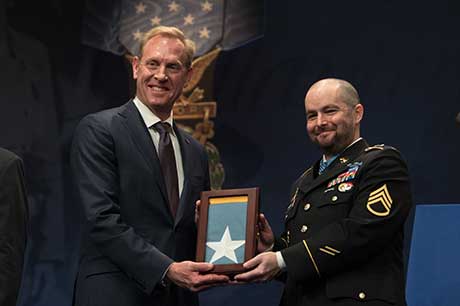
<point>173,32</point>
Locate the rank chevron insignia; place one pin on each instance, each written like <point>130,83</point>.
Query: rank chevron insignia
<point>380,195</point>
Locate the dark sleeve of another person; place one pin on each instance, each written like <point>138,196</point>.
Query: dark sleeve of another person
<point>13,216</point>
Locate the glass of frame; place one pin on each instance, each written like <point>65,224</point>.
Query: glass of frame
<point>227,228</point>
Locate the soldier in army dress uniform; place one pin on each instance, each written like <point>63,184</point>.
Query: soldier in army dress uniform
<point>344,225</point>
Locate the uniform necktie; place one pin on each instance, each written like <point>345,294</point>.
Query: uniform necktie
<point>168,164</point>
<point>322,166</point>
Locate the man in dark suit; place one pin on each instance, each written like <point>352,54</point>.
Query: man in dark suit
<point>343,236</point>
<point>13,226</point>
<point>138,177</point>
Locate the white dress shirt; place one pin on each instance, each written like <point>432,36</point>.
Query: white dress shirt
<point>150,119</point>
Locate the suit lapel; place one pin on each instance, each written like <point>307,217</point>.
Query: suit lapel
<point>305,180</point>
<point>141,137</point>
<point>184,199</point>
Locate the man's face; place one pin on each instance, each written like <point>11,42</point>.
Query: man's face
<point>331,123</point>
<point>161,74</point>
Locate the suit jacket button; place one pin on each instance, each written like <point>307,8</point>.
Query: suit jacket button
<point>304,228</point>
<point>307,206</point>
<point>334,198</point>
<point>362,295</point>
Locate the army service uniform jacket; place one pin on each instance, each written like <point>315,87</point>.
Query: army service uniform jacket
<point>343,236</point>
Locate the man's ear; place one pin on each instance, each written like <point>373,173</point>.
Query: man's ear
<point>359,111</point>
<point>135,66</point>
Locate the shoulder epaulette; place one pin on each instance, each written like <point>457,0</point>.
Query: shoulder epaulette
<point>375,147</point>
<point>380,147</point>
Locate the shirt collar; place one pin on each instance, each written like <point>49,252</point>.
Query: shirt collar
<point>150,119</point>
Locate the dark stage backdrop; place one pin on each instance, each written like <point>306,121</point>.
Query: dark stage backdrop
<point>402,57</point>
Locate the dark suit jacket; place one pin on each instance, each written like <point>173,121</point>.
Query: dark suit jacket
<point>13,226</point>
<point>131,236</point>
<point>344,231</point>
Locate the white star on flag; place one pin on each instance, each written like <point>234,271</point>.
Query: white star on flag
<point>155,21</point>
<point>204,33</point>
<point>188,19</point>
<point>206,6</point>
<point>140,8</point>
<point>138,35</point>
<point>173,6</point>
<point>225,247</point>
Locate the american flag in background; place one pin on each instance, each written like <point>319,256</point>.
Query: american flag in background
<point>117,26</point>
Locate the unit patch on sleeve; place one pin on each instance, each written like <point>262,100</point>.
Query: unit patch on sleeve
<point>379,202</point>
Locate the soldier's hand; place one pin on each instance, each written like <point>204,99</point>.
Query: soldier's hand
<point>191,275</point>
<point>262,268</point>
<point>265,237</point>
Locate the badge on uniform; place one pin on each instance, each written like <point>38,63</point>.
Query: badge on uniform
<point>344,187</point>
<point>347,175</point>
<point>379,202</point>
<point>329,189</point>
<point>355,164</point>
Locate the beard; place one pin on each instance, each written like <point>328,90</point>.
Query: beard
<point>332,141</point>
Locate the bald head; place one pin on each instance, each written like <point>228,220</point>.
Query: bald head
<point>342,89</point>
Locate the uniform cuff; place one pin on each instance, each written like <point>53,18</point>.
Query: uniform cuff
<point>280,261</point>
<point>300,263</point>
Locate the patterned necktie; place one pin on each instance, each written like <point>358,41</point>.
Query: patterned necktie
<point>324,164</point>
<point>168,164</point>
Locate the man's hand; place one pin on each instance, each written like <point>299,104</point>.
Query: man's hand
<point>263,268</point>
<point>265,237</point>
<point>189,274</point>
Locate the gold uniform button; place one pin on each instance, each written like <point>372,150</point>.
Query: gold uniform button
<point>304,228</point>
<point>362,295</point>
<point>307,206</point>
<point>334,198</point>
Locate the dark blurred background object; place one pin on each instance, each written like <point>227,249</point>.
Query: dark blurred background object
<point>13,226</point>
